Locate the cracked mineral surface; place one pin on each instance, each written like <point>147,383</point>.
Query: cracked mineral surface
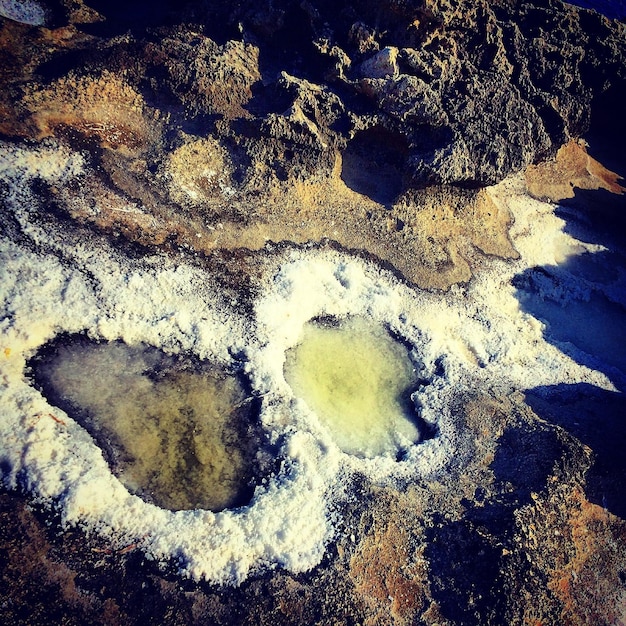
<point>198,184</point>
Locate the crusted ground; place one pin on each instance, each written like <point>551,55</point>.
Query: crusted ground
<point>224,131</point>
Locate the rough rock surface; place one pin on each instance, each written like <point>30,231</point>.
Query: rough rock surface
<point>217,130</point>
<point>470,91</point>
<point>510,540</point>
<point>573,168</point>
<point>298,104</point>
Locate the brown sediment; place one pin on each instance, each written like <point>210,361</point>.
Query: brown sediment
<point>104,108</point>
<point>433,238</point>
<point>388,568</point>
<point>572,168</point>
<point>595,562</point>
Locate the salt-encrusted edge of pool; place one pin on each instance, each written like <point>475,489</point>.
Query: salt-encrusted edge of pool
<point>472,337</point>
<point>288,523</point>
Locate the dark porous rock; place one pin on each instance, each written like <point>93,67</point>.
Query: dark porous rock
<point>477,90</point>
<point>300,106</point>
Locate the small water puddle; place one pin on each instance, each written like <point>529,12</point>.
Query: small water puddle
<point>177,432</point>
<point>358,380</point>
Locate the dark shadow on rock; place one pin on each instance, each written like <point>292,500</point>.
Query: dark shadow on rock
<point>613,9</point>
<point>584,323</point>
<point>285,36</point>
<point>465,568</point>
<point>524,459</point>
<point>591,328</point>
<point>599,216</point>
<point>373,164</point>
<point>595,216</point>
<point>582,303</point>
<point>607,131</point>
<point>467,557</point>
<point>120,16</point>
<point>598,419</point>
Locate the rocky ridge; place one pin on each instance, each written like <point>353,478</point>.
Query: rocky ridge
<point>236,126</point>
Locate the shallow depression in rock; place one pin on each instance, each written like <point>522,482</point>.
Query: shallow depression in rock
<point>358,380</point>
<point>176,432</point>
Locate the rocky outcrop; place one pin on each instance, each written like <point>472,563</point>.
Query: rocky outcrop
<point>332,121</point>
<point>473,91</point>
<point>476,90</point>
<point>214,126</point>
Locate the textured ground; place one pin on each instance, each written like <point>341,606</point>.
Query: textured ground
<point>222,133</point>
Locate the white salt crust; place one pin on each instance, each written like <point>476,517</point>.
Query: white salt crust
<point>473,337</point>
<point>24,11</point>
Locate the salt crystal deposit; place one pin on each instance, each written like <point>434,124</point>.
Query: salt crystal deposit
<point>474,335</point>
